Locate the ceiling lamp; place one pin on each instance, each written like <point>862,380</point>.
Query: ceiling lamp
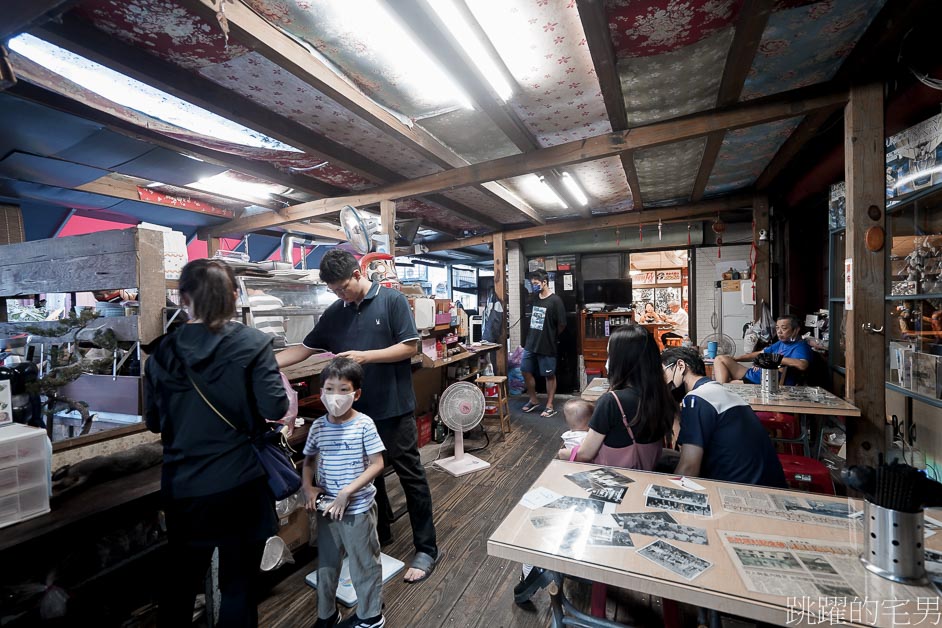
<point>469,39</point>
<point>550,193</point>
<point>573,187</point>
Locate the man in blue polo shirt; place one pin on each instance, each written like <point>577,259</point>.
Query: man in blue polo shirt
<point>721,437</point>
<point>374,326</point>
<point>797,354</point>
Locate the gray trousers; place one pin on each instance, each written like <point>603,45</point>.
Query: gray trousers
<point>354,536</point>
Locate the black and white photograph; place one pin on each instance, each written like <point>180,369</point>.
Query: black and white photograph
<point>662,529</point>
<point>817,564</point>
<point>685,507</point>
<point>599,478</point>
<point>677,495</point>
<point>581,504</point>
<point>767,559</point>
<point>819,507</point>
<point>674,559</point>
<point>610,494</point>
<point>557,520</point>
<point>623,517</point>
<point>613,537</point>
<point>573,542</point>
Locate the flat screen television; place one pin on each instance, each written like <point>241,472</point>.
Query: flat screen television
<point>608,291</point>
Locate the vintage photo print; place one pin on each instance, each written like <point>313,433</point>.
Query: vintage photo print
<point>685,507</point>
<point>611,494</point>
<point>599,478</point>
<point>674,559</point>
<point>613,537</point>
<point>581,504</point>
<point>660,528</point>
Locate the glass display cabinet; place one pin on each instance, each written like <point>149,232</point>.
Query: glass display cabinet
<point>285,308</point>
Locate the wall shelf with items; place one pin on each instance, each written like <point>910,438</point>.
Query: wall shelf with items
<point>594,331</point>
<point>914,298</point>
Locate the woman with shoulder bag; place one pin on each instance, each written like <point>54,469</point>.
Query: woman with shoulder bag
<point>209,387</point>
<point>630,421</point>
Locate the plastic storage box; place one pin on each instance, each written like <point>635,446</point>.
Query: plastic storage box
<point>25,458</point>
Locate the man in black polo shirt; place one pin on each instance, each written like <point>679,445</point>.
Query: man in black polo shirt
<point>374,326</point>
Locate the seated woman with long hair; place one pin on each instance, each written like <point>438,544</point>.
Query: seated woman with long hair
<point>630,421</point>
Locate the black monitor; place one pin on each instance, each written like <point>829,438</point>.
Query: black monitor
<point>608,291</point>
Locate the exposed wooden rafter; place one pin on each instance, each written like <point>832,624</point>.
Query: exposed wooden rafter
<point>694,211</point>
<point>429,29</point>
<point>875,52</point>
<point>754,112</point>
<point>283,50</point>
<point>99,47</point>
<point>259,169</point>
<point>599,39</point>
<point>753,17</point>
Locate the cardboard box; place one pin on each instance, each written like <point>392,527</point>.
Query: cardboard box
<point>295,529</point>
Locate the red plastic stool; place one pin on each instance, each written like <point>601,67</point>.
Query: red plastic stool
<point>806,474</point>
<point>783,427</point>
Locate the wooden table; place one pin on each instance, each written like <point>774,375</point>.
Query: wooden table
<point>565,549</point>
<point>795,400</point>
<point>656,330</point>
<point>596,388</point>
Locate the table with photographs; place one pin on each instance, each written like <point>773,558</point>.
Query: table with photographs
<point>777,556</point>
<point>795,400</point>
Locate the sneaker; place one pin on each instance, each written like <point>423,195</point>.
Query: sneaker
<point>356,622</point>
<point>330,622</point>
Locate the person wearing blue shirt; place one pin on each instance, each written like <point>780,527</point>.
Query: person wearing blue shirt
<point>720,437</point>
<point>797,354</point>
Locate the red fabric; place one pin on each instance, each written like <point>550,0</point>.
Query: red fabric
<point>80,225</point>
<point>644,29</point>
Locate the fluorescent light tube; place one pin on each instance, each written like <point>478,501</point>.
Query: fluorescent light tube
<point>573,187</point>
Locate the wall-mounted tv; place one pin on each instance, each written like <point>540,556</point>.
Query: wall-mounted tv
<point>608,291</point>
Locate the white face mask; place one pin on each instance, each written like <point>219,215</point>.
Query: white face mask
<point>337,404</point>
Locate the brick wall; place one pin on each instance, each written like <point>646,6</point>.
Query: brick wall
<point>516,275</point>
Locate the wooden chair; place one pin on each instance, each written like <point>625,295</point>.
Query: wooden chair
<point>500,402</point>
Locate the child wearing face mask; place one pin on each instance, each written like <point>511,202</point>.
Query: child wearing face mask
<point>342,457</point>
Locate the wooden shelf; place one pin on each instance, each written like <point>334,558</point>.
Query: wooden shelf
<point>431,364</point>
<point>912,297</point>
<point>467,377</point>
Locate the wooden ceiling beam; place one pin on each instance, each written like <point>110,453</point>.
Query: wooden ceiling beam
<point>599,39</point>
<point>268,40</point>
<point>96,46</point>
<point>116,188</point>
<point>258,169</point>
<point>876,51</point>
<point>750,24</point>
<point>18,17</point>
<point>623,219</point>
<point>751,113</point>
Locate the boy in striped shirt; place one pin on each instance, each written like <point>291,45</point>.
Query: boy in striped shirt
<point>344,449</point>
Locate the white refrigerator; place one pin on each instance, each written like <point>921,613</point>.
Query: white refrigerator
<point>736,309</point>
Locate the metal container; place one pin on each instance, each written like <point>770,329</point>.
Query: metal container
<point>768,382</point>
<point>893,544</point>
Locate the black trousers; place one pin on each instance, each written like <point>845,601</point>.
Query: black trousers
<point>184,575</point>
<point>400,436</point>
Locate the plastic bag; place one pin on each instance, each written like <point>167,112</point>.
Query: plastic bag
<point>288,419</point>
<point>515,381</point>
<point>516,358</point>
<point>766,323</point>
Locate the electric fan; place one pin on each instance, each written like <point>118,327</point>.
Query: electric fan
<point>362,231</point>
<point>461,408</point>
<point>724,344</point>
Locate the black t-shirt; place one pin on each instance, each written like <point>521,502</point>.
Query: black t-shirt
<point>383,319</point>
<point>548,315</point>
<point>607,420</point>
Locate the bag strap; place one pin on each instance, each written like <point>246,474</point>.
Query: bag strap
<point>624,418</point>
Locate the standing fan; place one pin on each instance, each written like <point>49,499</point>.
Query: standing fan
<point>724,344</point>
<point>461,408</point>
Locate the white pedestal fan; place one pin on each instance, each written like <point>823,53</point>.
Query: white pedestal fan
<point>461,408</point>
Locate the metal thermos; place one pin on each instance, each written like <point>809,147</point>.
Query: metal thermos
<point>768,382</point>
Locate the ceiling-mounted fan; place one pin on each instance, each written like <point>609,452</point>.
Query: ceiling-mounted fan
<point>363,233</point>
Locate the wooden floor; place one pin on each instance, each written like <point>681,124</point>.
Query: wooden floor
<point>468,587</point>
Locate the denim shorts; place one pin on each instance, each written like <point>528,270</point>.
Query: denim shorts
<point>538,364</point>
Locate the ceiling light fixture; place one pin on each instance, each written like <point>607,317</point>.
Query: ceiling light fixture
<point>227,185</point>
<point>550,194</point>
<point>134,94</point>
<point>469,39</point>
<point>573,187</point>
<point>388,38</point>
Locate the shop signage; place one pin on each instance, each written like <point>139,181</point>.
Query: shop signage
<point>651,277</point>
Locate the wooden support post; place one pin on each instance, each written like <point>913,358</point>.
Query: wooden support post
<point>151,284</point>
<point>387,217</point>
<point>212,245</point>
<point>864,163</point>
<point>763,286</point>
<point>500,291</point>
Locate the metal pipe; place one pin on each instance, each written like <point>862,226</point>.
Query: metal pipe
<point>288,242</point>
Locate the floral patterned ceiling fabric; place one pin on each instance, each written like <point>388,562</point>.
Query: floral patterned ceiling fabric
<point>669,172</point>
<point>341,31</point>
<point>675,83</point>
<point>434,216</point>
<point>806,45</point>
<point>543,46</point>
<point>483,203</point>
<point>644,29</point>
<point>470,134</point>
<point>604,182</point>
<point>163,28</point>
<point>745,154</point>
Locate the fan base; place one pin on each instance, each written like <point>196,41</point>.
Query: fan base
<point>467,464</point>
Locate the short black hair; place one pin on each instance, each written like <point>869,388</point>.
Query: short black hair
<point>344,369</point>
<point>792,319</point>
<point>337,265</point>
<point>689,355</point>
<point>540,275</point>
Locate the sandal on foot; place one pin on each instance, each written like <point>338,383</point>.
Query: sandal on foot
<point>550,411</point>
<point>530,406</point>
<point>422,562</point>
